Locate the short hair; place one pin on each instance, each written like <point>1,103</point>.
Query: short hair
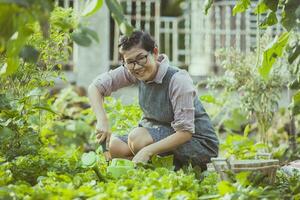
<point>137,39</point>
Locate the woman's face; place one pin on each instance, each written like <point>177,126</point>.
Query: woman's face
<point>141,63</point>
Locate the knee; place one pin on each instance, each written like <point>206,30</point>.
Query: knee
<point>117,148</point>
<point>134,135</point>
<point>138,138</point>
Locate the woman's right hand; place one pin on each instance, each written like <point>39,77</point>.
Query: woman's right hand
<point>102,127</point>
<point>102,132</point>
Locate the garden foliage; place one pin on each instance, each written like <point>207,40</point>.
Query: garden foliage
<point>47,141</point>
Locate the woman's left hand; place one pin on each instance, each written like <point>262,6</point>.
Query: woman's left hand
<point>142,156</point>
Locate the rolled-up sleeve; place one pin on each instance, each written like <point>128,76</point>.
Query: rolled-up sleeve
<point>113,80</point>
<point>182,94</point>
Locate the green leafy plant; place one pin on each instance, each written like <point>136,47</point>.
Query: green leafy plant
<point>74,124</point>
<point>83,36</point>
<point>28,168</point>
<point>240,147</point>
<point>285,187</point>
<point>24,95</point>
<point>18,17</point>
<point>90,160</point>
<point>244,85</point>
<point>122,118</point>
<point>286,15</point>
<point>166,161</point>
<point>117,13</point>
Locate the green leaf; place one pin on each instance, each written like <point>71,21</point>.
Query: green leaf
<point>99,150</point>
<point>89,159</point>
<point>295,52</point>
<point>116,10</point>
<point>6,123</point>
<point>264,5</point>
<point>91,7</point>
<point>81,39</point>
<point>7,20</point>
<point>29,54</point>
<point>165,161</point>
<point>83,36</point>
<point>295,84</point>
<point>207,5</point>
<point>125,28</point>
<point>269,20</point>
<point>272,4</point>
<point>93,34</point>
<point>247,130</point>
<point>261,7</point>
<point>241,6</point>
<point>270,55</point>
<point>242,178</point>
<point>291,14</point>
<point>145,165</point>
<point>296,103</point>
<point>236,121</point>
<point>3,69</point>
<point>14,46</point>
<point>209,99</point>
<point>63,19</point>
<point>209,196</point>
<point>46,108</point>
<point>4,102</point>
<point>6,137</point>
<point>260,146</point>
<point>35,92</point>
<point>225,187</point>
<point>2,159</point>
<point>12,65</point>
<point>117,13</point>
<point>2,45</point>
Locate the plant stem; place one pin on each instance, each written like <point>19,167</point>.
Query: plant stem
<point>99,175</point>
<point>292,135</point>
<point>40,116</point>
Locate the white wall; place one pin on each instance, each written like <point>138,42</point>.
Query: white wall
<point>93,60</point>
<point>200,60</point>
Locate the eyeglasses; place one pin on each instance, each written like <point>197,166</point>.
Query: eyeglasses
<point>141,61</point>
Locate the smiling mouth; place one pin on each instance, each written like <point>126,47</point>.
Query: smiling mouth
<point>139,72</point>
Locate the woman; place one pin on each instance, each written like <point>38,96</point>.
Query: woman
<point>173,122</point>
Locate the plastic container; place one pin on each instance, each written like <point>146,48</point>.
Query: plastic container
<point>119,167</point>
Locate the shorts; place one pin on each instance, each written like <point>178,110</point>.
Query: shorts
<point>195,151</point>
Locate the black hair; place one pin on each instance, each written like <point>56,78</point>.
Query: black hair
<point>137,38</point>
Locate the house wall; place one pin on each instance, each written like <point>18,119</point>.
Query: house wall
<point>93,60</point>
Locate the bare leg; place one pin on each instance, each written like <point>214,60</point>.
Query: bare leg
<point>119,149</point>
<point>138,138</point>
